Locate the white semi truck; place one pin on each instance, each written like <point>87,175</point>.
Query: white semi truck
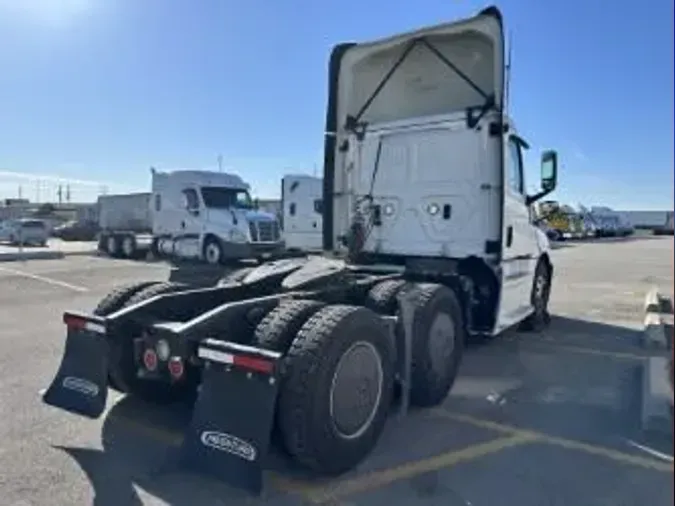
<point>429,241</point>
<point>302,208</point>
<point>189,214</point>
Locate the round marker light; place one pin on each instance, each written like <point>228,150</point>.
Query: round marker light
<point>163,350</point>
<point>176,368</point>
<point>150,360</point>
<point>433,209</point>
<point>388,209</point>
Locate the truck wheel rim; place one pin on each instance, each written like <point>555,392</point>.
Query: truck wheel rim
<point>441,341</point>
<point>540,288</point>
<point>356,390</point>
<point>212,253</point>
<point>128,246</point>
<point>111,244</point>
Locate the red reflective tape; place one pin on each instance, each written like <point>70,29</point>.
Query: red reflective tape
<point>74,321</point>
<point>253,364</point>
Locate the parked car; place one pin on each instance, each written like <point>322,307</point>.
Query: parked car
<point>26,231</point>
<point>76,231</point>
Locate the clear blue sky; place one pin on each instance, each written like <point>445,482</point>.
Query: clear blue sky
<point>99,90</point>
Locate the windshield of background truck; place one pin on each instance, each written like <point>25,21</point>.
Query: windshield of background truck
<point>216,197</point>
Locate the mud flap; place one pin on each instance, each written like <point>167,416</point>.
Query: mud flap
<point>81,383</point>
<point>229,434</point>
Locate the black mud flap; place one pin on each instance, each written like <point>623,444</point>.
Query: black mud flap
<point>81,383</point>
<point>229,434</point>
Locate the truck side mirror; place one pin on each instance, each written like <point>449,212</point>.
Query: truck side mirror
<point>549,176</point>
<point>549,171</point>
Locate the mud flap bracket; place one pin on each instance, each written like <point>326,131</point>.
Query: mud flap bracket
<point>406,305</point>
<point>229,434</point>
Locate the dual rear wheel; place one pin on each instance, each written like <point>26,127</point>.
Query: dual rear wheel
<point>341,365</point>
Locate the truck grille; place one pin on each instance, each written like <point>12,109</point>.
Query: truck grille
<point>264,231</point>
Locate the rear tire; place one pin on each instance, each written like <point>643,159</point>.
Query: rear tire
<point>128,246</point>
<point>116,299</point>
<point>278,329</point>
<point>112,303</point>
<point>382,298</point>
<point>236,276</point>
<point>330,419</point>
<point>112,246</point>
<point>154,290</point>
<point>437,343</point>
<point>541,291</point>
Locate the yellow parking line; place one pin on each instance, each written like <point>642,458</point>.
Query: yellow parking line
<point>331,490</point>
<point>570,444</point>
<point>321,494</point>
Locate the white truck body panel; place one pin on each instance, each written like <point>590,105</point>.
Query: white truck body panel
<point>431,186</point>
<point>302,202</point>
<point>125,212</point>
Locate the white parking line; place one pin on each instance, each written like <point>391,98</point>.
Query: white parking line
<point>49,281</point>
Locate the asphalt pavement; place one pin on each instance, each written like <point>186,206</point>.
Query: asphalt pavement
<point>533,420</point>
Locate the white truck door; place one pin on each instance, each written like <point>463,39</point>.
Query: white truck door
<point>519,245</point>
<point>188,234</point>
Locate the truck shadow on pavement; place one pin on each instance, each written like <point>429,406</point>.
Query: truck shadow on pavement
<point>140,447</point>
<point>577,381</point>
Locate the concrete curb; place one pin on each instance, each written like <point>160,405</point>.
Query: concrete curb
<point>32,255</point>
<point>658,322</point>
<point>657,384</point>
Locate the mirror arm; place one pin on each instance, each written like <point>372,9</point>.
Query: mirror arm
<point>531,199</point>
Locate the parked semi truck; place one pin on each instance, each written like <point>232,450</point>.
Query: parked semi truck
<point>302,205</point>
<point>189,214</point>
<point>420,254</point>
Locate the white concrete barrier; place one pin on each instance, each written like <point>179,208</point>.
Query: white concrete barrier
<point>657,379</point>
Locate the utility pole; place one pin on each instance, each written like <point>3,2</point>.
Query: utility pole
<point>220,163</point>
<point>59,192</point>
<point>68,193</point>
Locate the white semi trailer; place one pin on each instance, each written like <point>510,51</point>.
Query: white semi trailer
<point>302,205</point>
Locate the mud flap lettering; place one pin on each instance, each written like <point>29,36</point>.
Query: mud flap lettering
<point>81,383</point>
<point>229,434</point>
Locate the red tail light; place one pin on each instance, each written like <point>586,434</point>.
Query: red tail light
<point>74,322</point>
<point>176,368</point>
<point>150,360</point>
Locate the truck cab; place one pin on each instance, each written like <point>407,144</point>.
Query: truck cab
<point>424,167</point>
<point>210,216</point>
<point>302,205</point>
